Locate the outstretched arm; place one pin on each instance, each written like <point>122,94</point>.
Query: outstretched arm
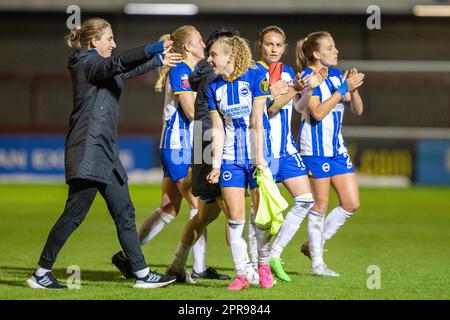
<point>98,68</point>
<point>163,59</point>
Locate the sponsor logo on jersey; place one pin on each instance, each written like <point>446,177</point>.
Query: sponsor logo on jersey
<point>236,111</point>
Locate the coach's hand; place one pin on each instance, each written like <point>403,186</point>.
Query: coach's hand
<point>171,59</point>
<point>213,176</point>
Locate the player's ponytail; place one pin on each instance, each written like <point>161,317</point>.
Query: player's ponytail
<point>306,47</point>
<point>162,71</point>
<point>82,36</point>
<point>180,38</point>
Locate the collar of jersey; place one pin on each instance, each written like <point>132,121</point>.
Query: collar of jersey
<point>188,64</point>
<point>230,79</point>
<point>263,64</point>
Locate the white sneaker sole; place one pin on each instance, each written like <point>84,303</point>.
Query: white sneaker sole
<point>34,285</point>
<point>153,285</point>
<point>324,275</point>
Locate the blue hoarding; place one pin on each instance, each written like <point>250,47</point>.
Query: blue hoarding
<point>433,162</point>
<point>44,154</point>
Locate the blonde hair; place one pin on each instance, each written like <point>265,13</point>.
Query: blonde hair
<point>265,31</point>
<point>306,47</point>
<point>82,36</point>
<point>180,38</point>
<point>240,50</point>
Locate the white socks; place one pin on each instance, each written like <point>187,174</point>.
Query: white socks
<point>153,225</point>
<point>291,224</point>
<point>180,257</point>
<point>142,273</point>
<point>238,245</point>
<point>252,244</point>
<point>263,238</point>
<point>335,219</point>
<point>315,230</point>
<point>199,250</point>
<point>41,271</point>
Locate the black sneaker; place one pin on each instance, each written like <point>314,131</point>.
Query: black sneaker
<point>154,280</point>
<point>210,273</point>
<point>122,263</point>
<point>47,281</point>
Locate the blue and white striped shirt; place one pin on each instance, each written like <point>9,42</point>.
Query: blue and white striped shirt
<point>177,130</point>
<point>234,99</point>
<point>323,138</point>
<point>283,143</point>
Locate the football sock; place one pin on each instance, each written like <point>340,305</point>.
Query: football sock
<point>41,271</point>
<point>238,245</point>
<point>291,224</point>
<point>263,238</point>
<point>153,225</point>
<point>335,219</point>
<point>142,273</point>
<point>252,244</point>
<point>199,250</point>
<point>180,257</point>
<point>315,230</point>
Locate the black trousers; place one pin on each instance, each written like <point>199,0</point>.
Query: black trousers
<point>81,196</point>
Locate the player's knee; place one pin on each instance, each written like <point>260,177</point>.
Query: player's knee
<point>320,206</point>
<point>351,206</point>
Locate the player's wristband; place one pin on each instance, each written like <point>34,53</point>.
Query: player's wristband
<point>343,89</point>
<point>216,164</point>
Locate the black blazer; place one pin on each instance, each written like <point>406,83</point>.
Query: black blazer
<point>91,150</point>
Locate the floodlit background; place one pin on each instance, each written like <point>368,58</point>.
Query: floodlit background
<point>400,146</point>
<point>402,138</point>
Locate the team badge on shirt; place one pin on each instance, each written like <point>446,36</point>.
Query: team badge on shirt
<point>264,85</point>
<point>244,91</point>
<point>185,81</point>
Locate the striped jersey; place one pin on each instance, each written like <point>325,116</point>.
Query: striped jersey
<point>323,138</point>
<point>177,128</point>
<point>234,100</point>
<point>283,143</point>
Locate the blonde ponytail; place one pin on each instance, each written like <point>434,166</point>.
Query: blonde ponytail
<point>301,60</point>
<point>162,71</point>
<point>180,37</point>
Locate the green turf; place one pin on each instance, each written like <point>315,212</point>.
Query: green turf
<point>406,232</point>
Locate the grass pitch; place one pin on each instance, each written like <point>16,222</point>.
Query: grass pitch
<point>404,232</point>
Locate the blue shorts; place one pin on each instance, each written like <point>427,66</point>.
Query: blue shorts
<point>325,167</point>
<point>175,162</point>
<point>288,167</point>
<point>240,175</point>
